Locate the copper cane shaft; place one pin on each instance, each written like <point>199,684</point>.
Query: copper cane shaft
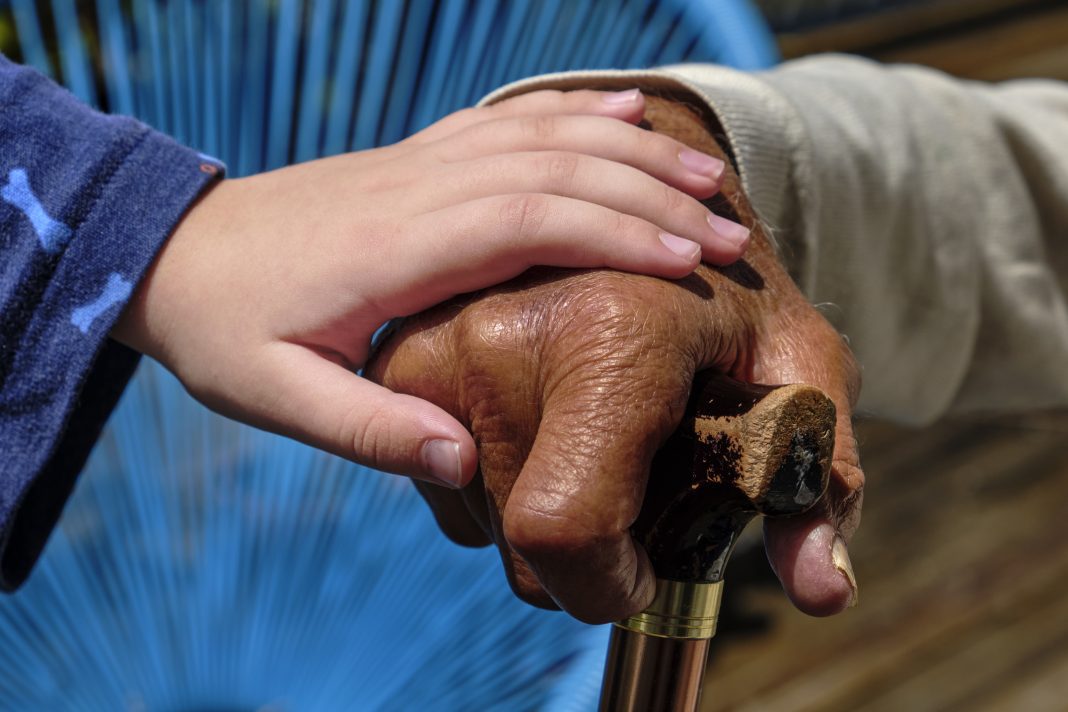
<point>645,672</point>
<point>742,450</point>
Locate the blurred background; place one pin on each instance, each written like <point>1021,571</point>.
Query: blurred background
<point>962,556</point>
<point>242,571</point>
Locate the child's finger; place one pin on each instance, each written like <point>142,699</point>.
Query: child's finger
<point>592,180</point>
<point>323,404</point>
<point>627,105</point>
<point>665,158</point>
<point>487,241</point>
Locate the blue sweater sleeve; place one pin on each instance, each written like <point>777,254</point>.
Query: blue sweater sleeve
<point>86,202</point>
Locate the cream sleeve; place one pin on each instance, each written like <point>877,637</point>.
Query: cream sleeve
<point>924,216</point>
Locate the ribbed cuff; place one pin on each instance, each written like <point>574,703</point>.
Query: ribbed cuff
<point>67,373</point>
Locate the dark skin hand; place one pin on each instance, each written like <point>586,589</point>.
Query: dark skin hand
<point>571,380</point>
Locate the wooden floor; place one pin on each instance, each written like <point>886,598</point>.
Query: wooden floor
<point>962,557</point>
<point>990,40</point>
<point>962,562</point>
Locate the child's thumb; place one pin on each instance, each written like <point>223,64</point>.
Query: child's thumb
<point>327,406</point>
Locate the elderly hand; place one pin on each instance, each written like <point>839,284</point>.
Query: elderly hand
<point>264,300</point>
<point>570,381</point>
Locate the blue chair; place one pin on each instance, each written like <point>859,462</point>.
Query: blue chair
<point>204,565</point>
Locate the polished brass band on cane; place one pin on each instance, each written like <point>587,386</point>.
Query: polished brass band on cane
<point>681,609</point>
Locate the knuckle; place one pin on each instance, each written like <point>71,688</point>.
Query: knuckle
<point>367,434</point>
<point>844,369</point>
<point>462,123</point>
<point>846,468</point>
<point>560,169</point>
<point>522,215</point>
<point>540,129</point>
<point>537,534</point>
<point>627,226</point>
<point>492,331</point>
<point>405,358</point>
<point>850,472</point>
<point>484,330</point>
<point>673,201</point>
<point>844,505</point>
<point>626,322</point>
<point>648,143</point>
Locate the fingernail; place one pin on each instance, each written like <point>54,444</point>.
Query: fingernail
<point>701,163</point>
<point>442,459</point>
<point>734,233</point>
<point>621,97</point>
<point>840,556</point>
<point>682,247</point>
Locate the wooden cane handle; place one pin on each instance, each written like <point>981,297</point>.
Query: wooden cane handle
<point>741,450</point>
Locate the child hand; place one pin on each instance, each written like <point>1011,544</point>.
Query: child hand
<point>264,300</point>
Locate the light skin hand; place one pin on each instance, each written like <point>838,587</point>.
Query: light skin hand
<point>264,300</point>
<point>570,381</point>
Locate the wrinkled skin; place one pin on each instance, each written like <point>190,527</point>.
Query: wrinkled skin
<point>570,381</point>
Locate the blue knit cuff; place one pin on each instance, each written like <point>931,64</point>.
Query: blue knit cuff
<point>67,375</point>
